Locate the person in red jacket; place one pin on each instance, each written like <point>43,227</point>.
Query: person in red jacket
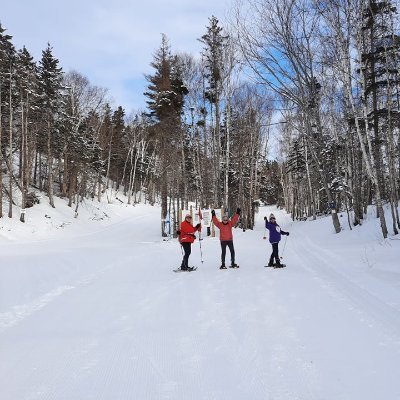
<point>186,238</point>
<point>225,235</point>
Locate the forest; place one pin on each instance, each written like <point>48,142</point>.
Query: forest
<point>291,102</point>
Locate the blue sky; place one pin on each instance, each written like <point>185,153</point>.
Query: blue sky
<point>111,42</point>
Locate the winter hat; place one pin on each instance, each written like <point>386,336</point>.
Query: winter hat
<point>271,216</point>
<point>188,215</point>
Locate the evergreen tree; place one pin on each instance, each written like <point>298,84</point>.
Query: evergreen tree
<point>7,94</point>
<point>52,103</point>
<point>213,56</point>
<point>166,89</point>
<point>166,92</point>
<point>27,84</point>
<point>118,126</point>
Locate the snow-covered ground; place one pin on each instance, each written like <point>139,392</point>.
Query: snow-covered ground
<point>90,309</point>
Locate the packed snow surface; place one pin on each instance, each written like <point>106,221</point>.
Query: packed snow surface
<point>90,309</point>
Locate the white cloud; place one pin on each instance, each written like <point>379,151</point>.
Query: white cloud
<point>111,42</point>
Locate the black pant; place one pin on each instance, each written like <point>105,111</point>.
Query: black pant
<point>228,243</point>
<point>275,253</point>
<point>187,247</point>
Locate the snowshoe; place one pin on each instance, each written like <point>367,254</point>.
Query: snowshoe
<point>189,269</point>
<point>270,265</point>
<point>234,266</point>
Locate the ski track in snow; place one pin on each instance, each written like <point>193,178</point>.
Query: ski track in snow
<point>370,309</point>
<point>132,329</point>
<point>20,312</point>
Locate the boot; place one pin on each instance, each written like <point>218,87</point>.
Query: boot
<point>271,262</point>
<point>233,265</point>
<point>222,266</point>
<point>184,267</point>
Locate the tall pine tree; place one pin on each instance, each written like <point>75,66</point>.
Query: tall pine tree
<point>51,98</point>
<point>166,92</point>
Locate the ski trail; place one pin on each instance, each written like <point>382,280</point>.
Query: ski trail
<point>370,309</point>
<point>255,370</point>
<point>132,329</point>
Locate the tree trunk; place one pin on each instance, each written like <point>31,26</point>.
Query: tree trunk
<point>10,154</point>
<point>50,177</point>
<point>1,153</point>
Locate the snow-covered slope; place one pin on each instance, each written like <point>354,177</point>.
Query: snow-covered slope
<point>92,310</point>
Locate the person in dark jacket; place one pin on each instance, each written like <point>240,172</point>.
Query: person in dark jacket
<point>186,238</point>
<point>225,235</point>
<point>275,233</point>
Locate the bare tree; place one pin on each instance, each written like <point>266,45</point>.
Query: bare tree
<point>279,43</point>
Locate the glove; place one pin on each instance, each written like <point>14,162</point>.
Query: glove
<point>238,210</point>
<point>287,233</point>
<point>198,226</point>
<point>213,213</point>
<point>265,218</point>
<point>178,232</point>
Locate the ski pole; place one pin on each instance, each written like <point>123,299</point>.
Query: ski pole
<point>201,251</point>
<point>283,248</point>
<point>265,229</point>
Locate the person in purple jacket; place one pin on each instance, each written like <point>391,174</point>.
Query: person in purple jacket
<point>275,233</point>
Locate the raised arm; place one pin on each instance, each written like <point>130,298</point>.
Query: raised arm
<point>216,222</point>
<point>235,219</point>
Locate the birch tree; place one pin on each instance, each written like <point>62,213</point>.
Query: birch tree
<point>278,41</point>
